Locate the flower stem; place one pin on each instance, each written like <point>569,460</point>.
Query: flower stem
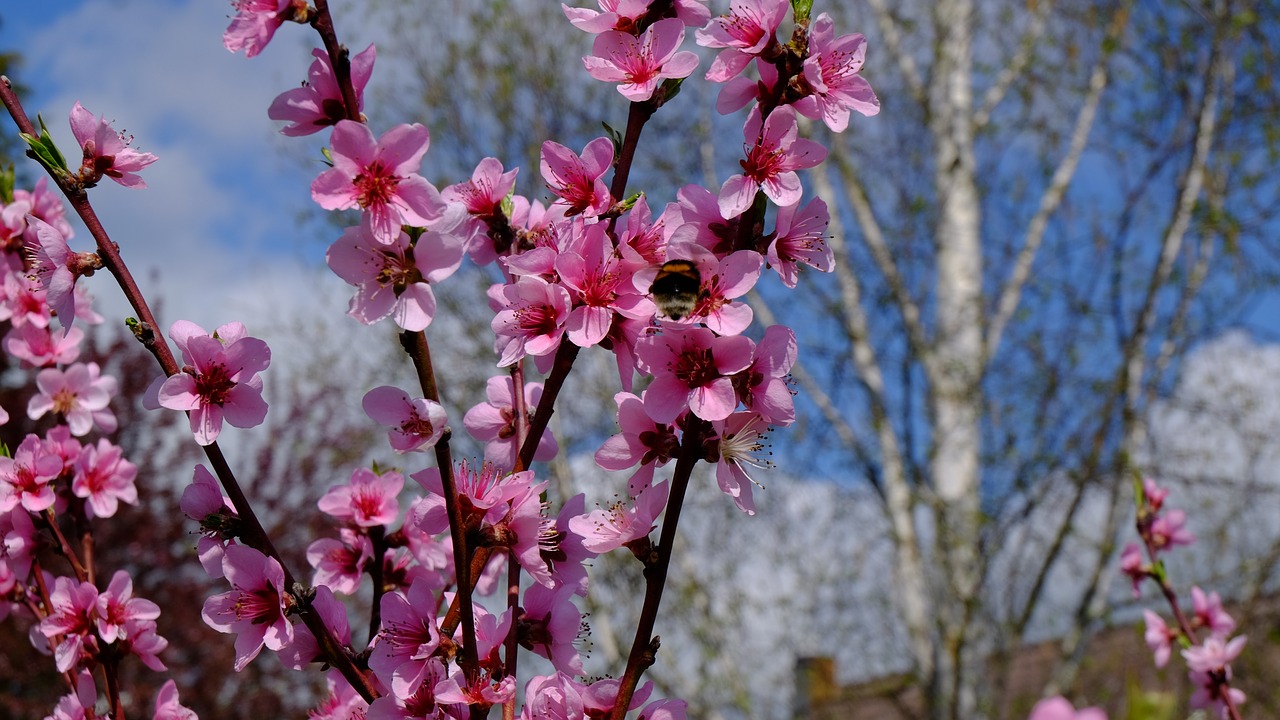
<point>645,646</point>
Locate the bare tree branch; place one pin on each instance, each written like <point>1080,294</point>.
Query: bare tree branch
<point>899,501</point>
<point>893,44</point>
<point>1017,64</point>
<point>1011,295</point>
<point>872,234</point>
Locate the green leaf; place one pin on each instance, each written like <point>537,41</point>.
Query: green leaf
<point>801,8</point>
<point>668,90</point>
<point>45,151</point>
<point>614,136</point>
<point>6,184</point>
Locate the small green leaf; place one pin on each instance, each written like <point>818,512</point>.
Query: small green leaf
<point>614,136</point>
<point>6,184</point>
<point>668,90</point>
<point>801,8</point>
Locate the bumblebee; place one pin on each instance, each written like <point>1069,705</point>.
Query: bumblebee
<point>676,288</point>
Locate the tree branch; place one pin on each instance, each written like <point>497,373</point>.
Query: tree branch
<point>1011,295</point>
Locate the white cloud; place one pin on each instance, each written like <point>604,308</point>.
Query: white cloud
<point>220,211</point>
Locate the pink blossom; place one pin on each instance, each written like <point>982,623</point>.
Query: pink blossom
<point>219,381</point>
<point>763,387</point>
<point>408,638</point>
<point>601,695</point>
<point>696,219</point>
<point>167,705</point>
<point>592,270</point>
<point>641,441</point>
<point>106,152</point>
<point>831,71</point>
<point>567,560</point>
<point>616,15</point>
<point>1131,564</point>
<point>665,709</point>
<point>551,623</point>
<point>58,441</point>
<point>800,237</point>
<point>254,609</point>
<point>24,302</point>
<point>1159,637</point>
<point>691,370</point>
<point>1209,612</point>
<point>204,502</point>
<point>17,543</point>
<point>1154,494</point>
<point>343,702</point>
<point>742,90</point>
<point>416,423</point>
<point>576,180</point>
<point>80,395</point>
<point>746,32</point>
<point>527,532</point>
<point>1214,654</point>
<point>119,610</point>
<point>493,422</point>
<point>77,705</point>
<point>612,527</point>
<point>553,697</point>
<point>774,152</point>
<point>1058,708</point>
<point>256,22</point>
<point>638,64</point>
<point>105,479</point>
<point>380,177</point>
<point>1209,667</point>
<point>141,640</point>
<point>1168,531</point>
<point>392,277</point>
<point>482,196</point>
<point>724,279</point>
<point>641,240</point>
<point>530,320</point>
<point>46,205</point>
<point>39,347</point>
<point>25,478</point>
<point>340,564</point>
<point>318,104</point>
<point>484,691</point>
<point>421,703</point>
<point>71,616</point>
<point>741,445</point>
<point>304,649</point>
<point>487,490</point>
<point>56,268</point>
<point>369,500</point>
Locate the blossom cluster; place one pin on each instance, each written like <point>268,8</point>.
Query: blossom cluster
<point>661,288</point>
<point>590,268</point>
<point>70,472</point>
<point>1209,657</point>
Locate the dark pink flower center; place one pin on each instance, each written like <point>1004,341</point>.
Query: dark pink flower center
<point>598,288</point>
<point>64,400</point>
<point>661,444</point>
<point>762,162</point>
<point>367,499</point>
<point>260,606</point>
<point>417,425</point>
<point>695,367</point>
<point>535,320</point>
<point>214,385</point>
<point>375,186</point>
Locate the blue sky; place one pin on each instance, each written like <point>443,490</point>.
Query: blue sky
<point>221,217</point>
